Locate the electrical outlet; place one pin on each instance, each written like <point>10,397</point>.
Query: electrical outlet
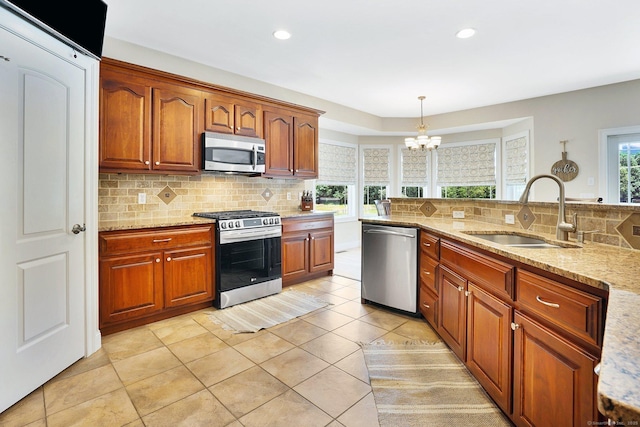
<point>458,214</point>
<point>142,198</point>
<point>288,195</point>
<point>509,219</point>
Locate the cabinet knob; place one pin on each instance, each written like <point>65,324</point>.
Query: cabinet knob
<point>460,288</point>
<point>238,128</point>
<point>157,259</point>
<point>168,258</point>
<point>157,163</point>
<point>146,162</point>
<point>514,326</point>
<point>467,293</point>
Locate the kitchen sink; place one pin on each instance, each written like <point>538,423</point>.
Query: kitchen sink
<point>519,240</point>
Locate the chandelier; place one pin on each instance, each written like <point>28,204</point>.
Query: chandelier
<point>422,140</point>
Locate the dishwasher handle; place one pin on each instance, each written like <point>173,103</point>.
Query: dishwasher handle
<point>392,233</point>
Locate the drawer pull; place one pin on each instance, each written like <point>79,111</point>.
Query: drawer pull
<point>427,244</point>
<point>426,305</point>
<point>548,304</point>
<point>161,240</point>
<point>596,370</point>
<point>426,272</point>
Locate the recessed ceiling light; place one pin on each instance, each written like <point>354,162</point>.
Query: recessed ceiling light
<point>281,34</point>
<point>466,33</point>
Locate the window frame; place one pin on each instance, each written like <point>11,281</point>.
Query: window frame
<point>352,194</point>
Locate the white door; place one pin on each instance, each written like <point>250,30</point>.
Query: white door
<point>42,132</point>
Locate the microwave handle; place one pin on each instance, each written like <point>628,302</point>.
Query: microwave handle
<point>255,156</point>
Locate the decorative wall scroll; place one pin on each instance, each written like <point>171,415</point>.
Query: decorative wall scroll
<point>565,169</point>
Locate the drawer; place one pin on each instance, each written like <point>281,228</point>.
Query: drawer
<point>119,242</point>
<point>290,225</point>
<point>571,309</point>
<point>490,274</point>
<point>428,306</point>
<point>430,245</point>
<point>428,268</point>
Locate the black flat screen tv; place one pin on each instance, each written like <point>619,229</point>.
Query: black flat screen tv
<point>80,22</point>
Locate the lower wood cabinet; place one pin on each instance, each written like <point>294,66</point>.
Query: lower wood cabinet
<point>307,248</point>
<point>147,275</point>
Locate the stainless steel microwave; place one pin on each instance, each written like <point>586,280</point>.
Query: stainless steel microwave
<point>233,154</point>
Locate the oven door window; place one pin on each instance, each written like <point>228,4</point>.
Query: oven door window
<point>247,263</point>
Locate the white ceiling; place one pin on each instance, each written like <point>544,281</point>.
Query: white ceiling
<point>377,56</point>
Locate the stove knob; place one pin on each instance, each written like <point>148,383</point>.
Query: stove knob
<point>230,224</point>
<point>270,220</point>
<point>265,221</point>
<point>223,225</point>
<point>237,224</point>
<point>277,220</point>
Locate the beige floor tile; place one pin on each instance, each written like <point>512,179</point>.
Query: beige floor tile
<point>96,360</point>
<point>353,309</point>
<point>330,347</point>
<point>198,410</point>
<point>324,285</point>
<point>362,414</point>
<point>125,344</point>
<point>197,347</point>
<point>232,338</point>
<point>347,293</point>
<point>39,423</point>
<point>68,392</point>
<point>417,330</point>
<point>248,390</point>
<point>328,319</point>
<point>136,423</point>
<point>145,365</point>
<point>355,365</point>
<point>310,290</point>
<point>332,299</point>
<point>203,317</point>
<point>219,366</point>
<point>28,410</point>
<point>294,366</point>
<point>392,337</point>
<point>108,410</point>
<point>298,331</point>
<point>333,390</point>
<point>358,331</point>
<point>383,319</point>
<point>345,281</point>
<point>160,390</point>
<point>172,333</point>
<point>263,347</point>
<point>287,410</point>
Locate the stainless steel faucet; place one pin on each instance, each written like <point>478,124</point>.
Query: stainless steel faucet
<point>563,228</point>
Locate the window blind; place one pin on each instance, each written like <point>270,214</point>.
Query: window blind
<point>467,165</point>
<point>516,152</point>
<point>415,168</point>
<point>376,166</point>
<point>336,164</point>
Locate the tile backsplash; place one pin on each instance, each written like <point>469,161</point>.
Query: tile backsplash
<point>176,196</point>
<point>604,218</point>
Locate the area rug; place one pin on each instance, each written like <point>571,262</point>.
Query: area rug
<point>266,312</point>
<point>424,384</point>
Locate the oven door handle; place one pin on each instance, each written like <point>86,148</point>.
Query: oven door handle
<point>246,235</point>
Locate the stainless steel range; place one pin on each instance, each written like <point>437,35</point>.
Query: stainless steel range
<point>248,259</point>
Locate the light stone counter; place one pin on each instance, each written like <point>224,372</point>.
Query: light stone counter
<point>151,223</point>
<point>614,269</point>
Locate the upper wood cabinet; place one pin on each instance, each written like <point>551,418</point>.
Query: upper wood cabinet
<point>148,126</point>
<point>234,116</point>
<point>292,144</point>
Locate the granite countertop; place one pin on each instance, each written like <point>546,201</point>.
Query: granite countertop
<point>602,266</point>
<point>151,223</point>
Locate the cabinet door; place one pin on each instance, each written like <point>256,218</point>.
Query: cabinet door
<point>125,122</point>
<point>130,286</point>
<point>176,129</point>
<point>452,311</point>
<point>188,276</point>
<point>278,135</point>
<point>305,148</point>
<point>321,251</point>
<point>248,119</point>
<point>295,256</point>
<point>489,344</point>
<point>554,383</point>
<point>219,114</point>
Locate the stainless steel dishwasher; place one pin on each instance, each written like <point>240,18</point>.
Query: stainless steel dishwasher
<point>390,266</point>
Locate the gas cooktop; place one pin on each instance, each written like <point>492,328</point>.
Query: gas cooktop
<point>242,214</point>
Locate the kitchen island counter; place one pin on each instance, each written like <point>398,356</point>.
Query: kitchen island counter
<point>601,266</point>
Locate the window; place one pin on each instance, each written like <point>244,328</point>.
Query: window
<point>376,171</point>
<point>467,170</point>
<point>414,165</point>
<point>621,173</point>
<point>335,187</point>
<point>515,165</point>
